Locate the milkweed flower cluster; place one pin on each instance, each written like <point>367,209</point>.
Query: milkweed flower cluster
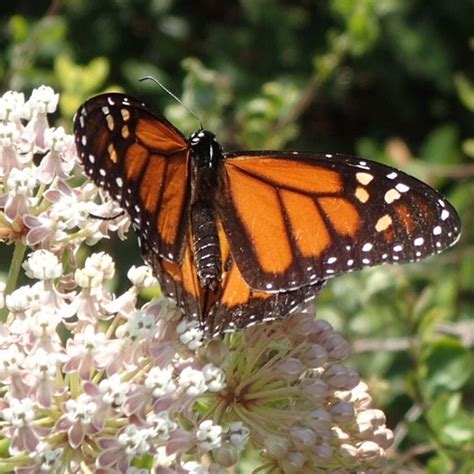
<point>91,381</point>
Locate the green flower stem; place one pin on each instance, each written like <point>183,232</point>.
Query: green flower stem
<point>13,272</point>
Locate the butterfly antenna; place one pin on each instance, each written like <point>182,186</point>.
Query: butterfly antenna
<point>156,81</point>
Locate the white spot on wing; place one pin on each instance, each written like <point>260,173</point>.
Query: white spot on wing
<point>364,178</point>
<point>403,188</point>
<point>419,241</point>
<point>391,195</point>
<point>383,223</point>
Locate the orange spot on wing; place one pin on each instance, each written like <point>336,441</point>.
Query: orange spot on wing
<point>291,174</point>
<point>171,269</point>
<point>101,142</point>
<point>189,277</point>
<point>389,234</point>
<point>135,159</point>
<point>152,182</point>
<point>308,227</point>
<point>405,216</point>
<point>223,242</point>
<point>174,194</point>
<point>260,212</point>
<point>158,136</point>
<point>342,215</point>
<point>236,290</point>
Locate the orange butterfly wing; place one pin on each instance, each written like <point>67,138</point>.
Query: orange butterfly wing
<point>285,221</point>
<point>142,161</point>
<point>234,305</point>
<point>295,218</point>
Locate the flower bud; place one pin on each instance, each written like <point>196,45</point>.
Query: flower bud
<point>323,450</point>
<point>216,352</point>
<point>276,446</point>
<point>290,369</point>
<point>348,454</point>
<point>315,356</point>
<point>293,462</point>
<point>316,388</point>
<point>226,455</point>
<point>383,437</point>
<point>340,377</point>
<point>320,331</point>
<point>338,348</point>
<point>342,412</point>
<point>371,453</point>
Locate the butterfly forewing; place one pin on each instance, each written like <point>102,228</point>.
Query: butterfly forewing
<point>296,218</point>
<point>142,161</point>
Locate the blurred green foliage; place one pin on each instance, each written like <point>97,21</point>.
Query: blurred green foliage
<point>391,80</point>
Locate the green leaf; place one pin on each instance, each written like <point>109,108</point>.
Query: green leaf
<point>133,70</point>
<point>465,91</point>
<point>440,464</point>
<point>448,367</point>
<point>96,73</point>
<point>449,421</point>
<point>19,28</point>
<point>468,147</point>
<point>443,145</point>
<point>4,446</point>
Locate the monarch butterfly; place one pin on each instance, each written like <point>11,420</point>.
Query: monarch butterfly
<point>239,238</point>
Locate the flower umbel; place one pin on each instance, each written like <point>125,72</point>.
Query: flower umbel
<point>94,382</point>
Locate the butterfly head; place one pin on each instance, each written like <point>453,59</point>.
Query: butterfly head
<point>206,151</point>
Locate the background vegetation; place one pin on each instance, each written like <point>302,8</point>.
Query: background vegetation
<point>391,80</point>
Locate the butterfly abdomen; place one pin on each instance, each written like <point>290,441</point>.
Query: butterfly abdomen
<point>206,246</point>
<point>206,156</point>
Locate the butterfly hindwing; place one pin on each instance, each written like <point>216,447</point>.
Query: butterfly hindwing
<point>142,161</point>
<point>234,305</point>
<point>296,218</point>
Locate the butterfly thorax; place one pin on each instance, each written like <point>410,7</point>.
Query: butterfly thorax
<point>206,155</point>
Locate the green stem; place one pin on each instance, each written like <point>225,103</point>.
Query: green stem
<point>13,272</point>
